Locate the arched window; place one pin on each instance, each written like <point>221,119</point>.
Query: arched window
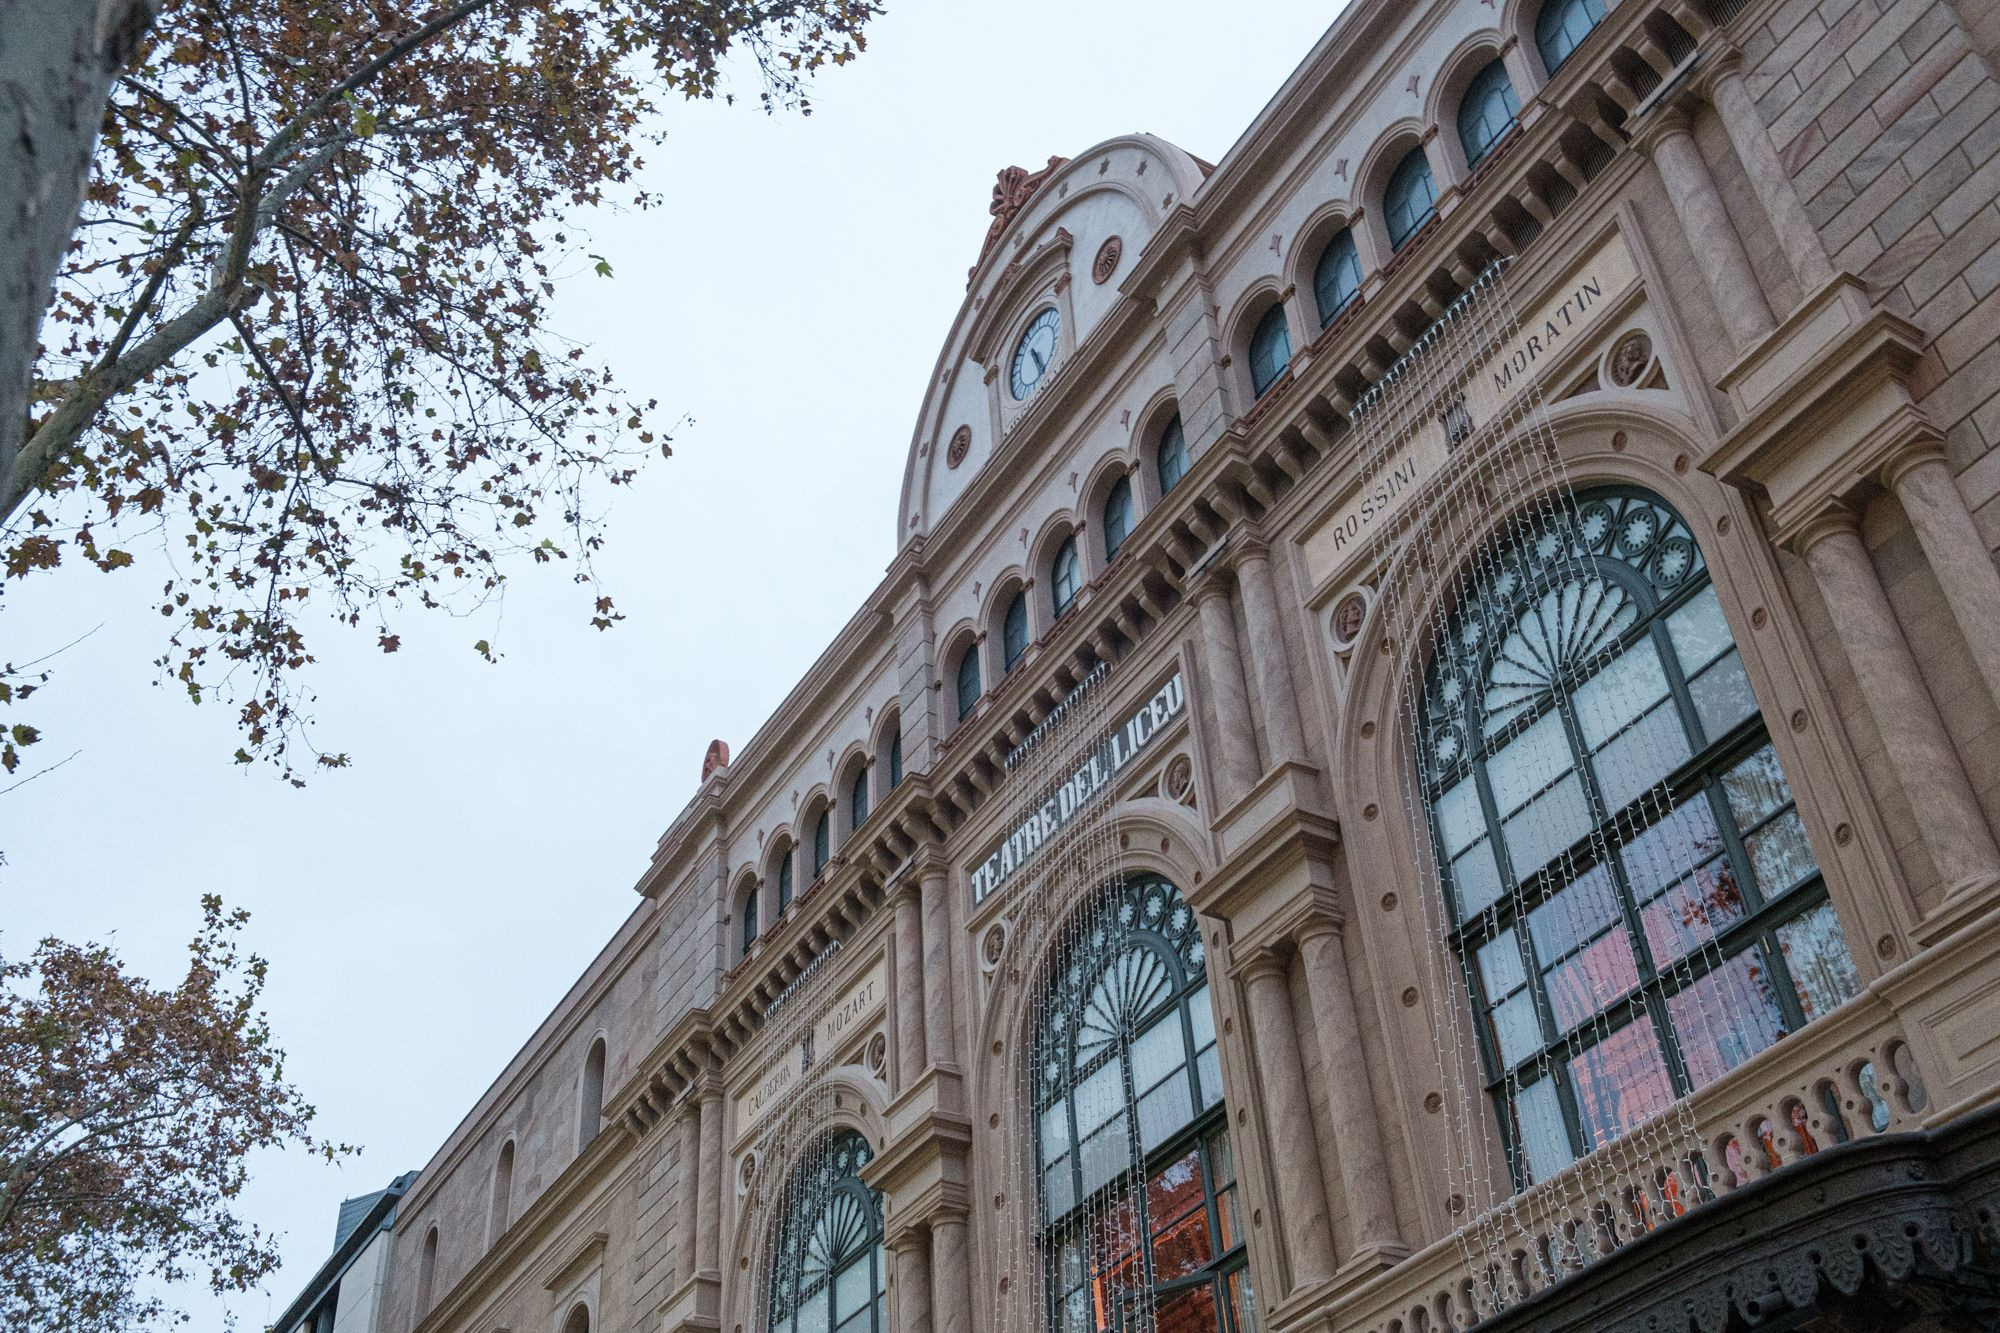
<point>896,756</point>
<point>1172,455</point>
<point>590,1104</point>
<point>968,680</point>
<point>750,926</point>
<point>1117,517</point>
<point>1487,112</point>
<point>828,1272</point>
<point>1337,276</point>
<point>1410,198</point>
<point>578,1320</point>
<point>1065,576</point>
<point>1562,26</point>
<point>1013,634</point>
<point>427,1264</point>
<point>1126,1064</point>
<point>822,843</point>
<point>1637,909</point>
<point>1270,349</point>
<point>785,879</point>
<point>503,1194</point>
<point>857,799</point>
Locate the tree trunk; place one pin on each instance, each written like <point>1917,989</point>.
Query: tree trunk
<point>57,60</point>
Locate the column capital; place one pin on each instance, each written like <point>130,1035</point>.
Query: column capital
<point>1325,919</point>
<point>1268,961</point>
<point>907,888</point>
<point>1210,583</point>
<point>1833,519</point>
<point>1664,122</point>
<point>907,1237</point>
<point>1250,547</point>
<point>1913,455</point>
<point>1720,59</point>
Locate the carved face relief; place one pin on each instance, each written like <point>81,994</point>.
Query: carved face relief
<point>1630,358</point>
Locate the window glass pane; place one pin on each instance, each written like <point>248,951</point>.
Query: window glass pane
<point>1183,1247</point>
<point>1057,1192</point>
<point>1690,912</point>
<point>1726,1017</point>
<point>1221,1159</point>
<point>1099,1097</point>
<point>1580,912</point>
<point>1722,696</point>
<point>1162,1111</point>
<point>1117,517</point>
<point>1158,1051</point>
<point>1475,878</point>
<point>1816,956</point>
<point>1562,26</point>
<point>1699,633</point>
<point>1174,1189</point>
<point>1516,1031</point>
<point>1201,1015</point>
<point>1547,826</point>
<point>1076,1313</point>
<point>1173,458</point>
<point>1627,686</point>
<point>812,1314</point>
<point>1188,1311</point>
<point>1544,1141</point>
<point>1337,276</point>
<point>1780,854</point>
<point>1500,970</point>
<point>852,1288</point>
<point>1460,820</point>
<point>1055,1131</point>
<point>1619,1082</point>
<point>1270,349</point>
<point>1634,761</point>
<point>1106,1153</point>
<point>1581,985</point>
<point>1209,1062</point>
<point>1756,788</point>
<point>1487,112</point>
<point>1528,764</point>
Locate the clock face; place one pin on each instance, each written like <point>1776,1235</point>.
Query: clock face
<point>1036,353</point>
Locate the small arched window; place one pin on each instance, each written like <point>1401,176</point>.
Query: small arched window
<point>1013,633</point>
<point>822,843</point>
<point>1172,455</point>
<point>1337,276</point>
<point>1562,26</point>
<point>1270,349</point>
<point>750,926</point>
<point>590,1108</point>
<point>427,1265</point>
<point>968,680</point>
<point>785,879</point>
<point>1065,576</point>
<point>828,1269</point>
<point>1410,198</point>
<point>1487,112</point>
<point>857,800</point>
<point>896,756</point>
<point>1117,517</point>
<point>503,1194</point>
<point>578,1320</point>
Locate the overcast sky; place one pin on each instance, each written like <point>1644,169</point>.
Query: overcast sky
<point>424,910</point>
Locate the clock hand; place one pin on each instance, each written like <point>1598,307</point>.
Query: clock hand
<point>1040,365</point>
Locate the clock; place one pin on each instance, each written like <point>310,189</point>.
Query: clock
<point>1035,353</point>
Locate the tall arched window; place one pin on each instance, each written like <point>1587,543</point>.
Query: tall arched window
<point>785,878</point>
<point>578,1320</point>
<point>896,756</point>
<point>427,1264</point>
<point>1410,198</point>
<point>1270,349</point>
<point>590,1102</point>
<point>1117,517</point>
<point>1337,276</point>
<point>822,843</point>
<point>828,1272</point>
<point>1561,27</point>
<point>503,1194</point>
<point>1065,576</point>
<point>1171,455</point>
<point>1013,633</point>
<point>1637,909</point>
<point>1487,112</point>
<point>750,924</point>
<point>1126,1063</point>
<point>968,680</point>
<point>857,799</point>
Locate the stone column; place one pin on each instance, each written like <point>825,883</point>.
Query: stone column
<point>951,1274</point>
<point>1350,1097</point>
<point>1276,699</point>
<point>1288,1113</point>
<point>710,1168</point>
<point>1237,770</point>
<point>910,1047</point>
<point>913,1282</point>
<point>1796,234</point>
<point>1929,494</point>
<point>1668,139</point>
<point>691,1191</point>
<point>940,1037</point>
<point>1948,816</point>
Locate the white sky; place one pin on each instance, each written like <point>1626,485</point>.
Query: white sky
<point>423,911</point>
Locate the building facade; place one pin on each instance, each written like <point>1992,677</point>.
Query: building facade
<point>1429,754</point>
<point>345,1295</point>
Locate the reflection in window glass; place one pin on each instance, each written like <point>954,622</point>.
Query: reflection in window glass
<point>1487,112</point>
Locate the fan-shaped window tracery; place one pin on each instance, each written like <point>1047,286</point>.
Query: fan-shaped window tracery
<point>828,1273</point>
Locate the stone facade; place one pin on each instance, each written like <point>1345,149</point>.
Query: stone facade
<point>1797,351</point>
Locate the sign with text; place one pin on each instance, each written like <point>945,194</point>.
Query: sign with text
<point>848,1014</point>
<point>1574,308</point>
<point>1092,777</point>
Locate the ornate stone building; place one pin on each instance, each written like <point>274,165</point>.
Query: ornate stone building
<point>1429,754</point>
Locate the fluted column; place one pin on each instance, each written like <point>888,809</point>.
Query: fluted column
<point>1752,141</point>
<point>1668,139</point>
<point>910,1045</point>
<point>691,1191</point>
<point>1350,1097</point>
<point>1277,701</point>
<point>708,1210</point>
<point>1288,1113</point>
<point>1929,494</point>
<point>1919,750</point>
<point>951,1277</point>
<point>1221,663</point>
<point>940,1041</point>
<point>913,1282</point>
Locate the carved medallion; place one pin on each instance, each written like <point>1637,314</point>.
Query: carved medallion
<point>1347,618</point>
<point>1106,263</point>
<point>961,440</point>
<point>1630,358</point>
<point>1180,778</point>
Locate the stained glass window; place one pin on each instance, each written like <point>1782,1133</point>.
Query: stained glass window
<point>828,1271</point>
<point>1065,576</point>
<point>968,681</point>
<point>1487,112</point>
<point>1138,1184</point>
<point>1337,276</point>
<point>1635,904</point>
<point>1562,26</point>
<point>1014,632</point>
<point>1117,517</point>
<point>1172,455</point>
<point>1270,350</point>
<point>1410,198</point>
